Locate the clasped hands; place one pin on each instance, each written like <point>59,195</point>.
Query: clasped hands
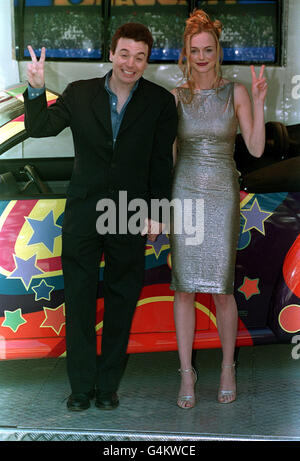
<point>153,229</point>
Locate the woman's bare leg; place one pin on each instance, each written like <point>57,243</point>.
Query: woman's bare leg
<point>227,319</point>
<point>184,316</point>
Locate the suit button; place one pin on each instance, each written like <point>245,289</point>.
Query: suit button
<point>109,143</point>
<point>113,164</point>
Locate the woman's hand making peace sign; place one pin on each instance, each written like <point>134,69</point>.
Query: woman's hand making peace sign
<point>259,85</point>
<point>35,69</point>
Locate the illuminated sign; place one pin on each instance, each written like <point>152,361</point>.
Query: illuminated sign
<point>138,2</point>
<point>98,2</point>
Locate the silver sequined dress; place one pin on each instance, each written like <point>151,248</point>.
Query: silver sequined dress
<point>205,176</point>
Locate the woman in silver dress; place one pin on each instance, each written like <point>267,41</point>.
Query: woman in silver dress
<point>210,109</point>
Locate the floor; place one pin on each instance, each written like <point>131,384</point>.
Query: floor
<point>33,397</point>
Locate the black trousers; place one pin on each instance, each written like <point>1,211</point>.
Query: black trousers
<point>123,280</point>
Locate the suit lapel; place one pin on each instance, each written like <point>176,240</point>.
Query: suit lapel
<point>136,106</point>
<point>101,107</point>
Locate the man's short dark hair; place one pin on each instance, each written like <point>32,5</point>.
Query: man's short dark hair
<point>135,31</point>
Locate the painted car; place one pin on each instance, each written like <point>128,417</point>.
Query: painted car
<point>32,201</point>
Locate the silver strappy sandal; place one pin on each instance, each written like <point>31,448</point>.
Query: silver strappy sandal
<point>227,393</point>
<point>187,398</point>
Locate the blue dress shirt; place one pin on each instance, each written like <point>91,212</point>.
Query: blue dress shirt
<point>116,117</point>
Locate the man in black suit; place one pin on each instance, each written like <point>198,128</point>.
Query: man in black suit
<point>123,129</point>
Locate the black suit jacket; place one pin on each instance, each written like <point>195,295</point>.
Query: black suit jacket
<point>141,160</point>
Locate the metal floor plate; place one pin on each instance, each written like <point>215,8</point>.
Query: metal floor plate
<point>33,397</point>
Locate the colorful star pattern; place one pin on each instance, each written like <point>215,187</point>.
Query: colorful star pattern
<point>249,287</point>
<point>44,231</point>
<point>255,218</point>
<point>13,319</point>
<point>42,291</point>
<point>54,318</point>
<point>25,270</point>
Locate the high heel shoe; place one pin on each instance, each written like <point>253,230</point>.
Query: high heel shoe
<point>227,396</point>
<point>187,398</point>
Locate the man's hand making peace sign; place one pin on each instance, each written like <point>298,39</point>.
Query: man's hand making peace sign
<point>35,69</point>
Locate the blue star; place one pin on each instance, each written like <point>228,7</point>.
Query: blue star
<point>44,231</point>
<point>42,291</point>
<point>255,218</point>
<point>161,240</point>
<point>25,270</point>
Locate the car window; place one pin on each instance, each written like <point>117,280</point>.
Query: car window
<point>14,141</point>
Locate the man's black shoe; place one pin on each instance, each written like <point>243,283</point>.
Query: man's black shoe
<point>80,401</point>
<point>106,400</point>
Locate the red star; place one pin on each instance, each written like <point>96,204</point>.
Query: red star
<point>54,318</point>
<point>249,287</point>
